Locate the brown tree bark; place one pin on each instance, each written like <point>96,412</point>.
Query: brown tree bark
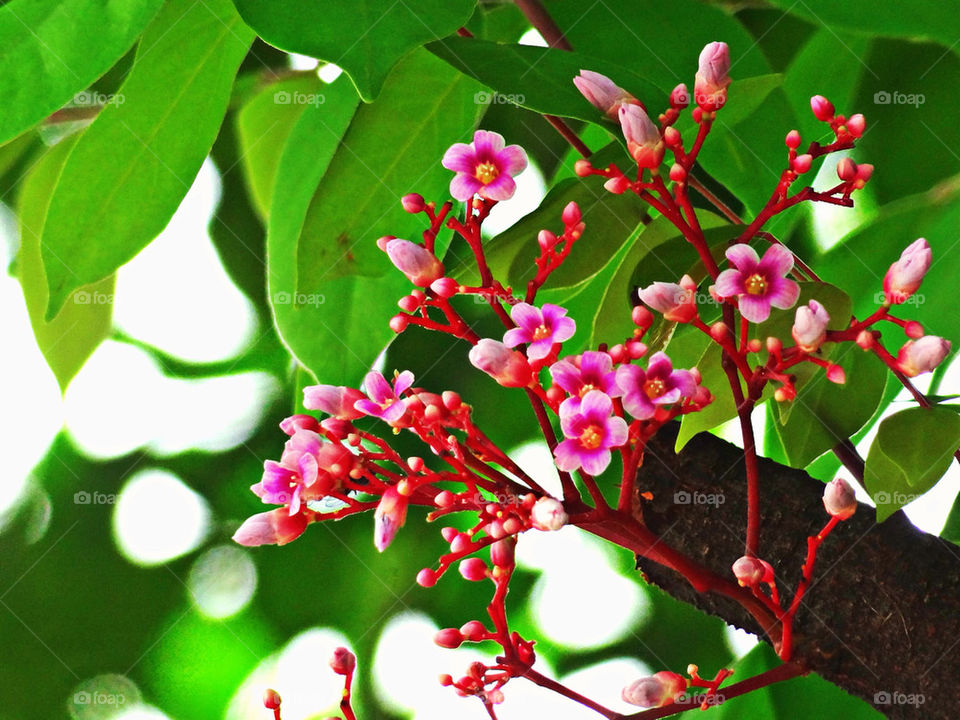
<point>882,616</point>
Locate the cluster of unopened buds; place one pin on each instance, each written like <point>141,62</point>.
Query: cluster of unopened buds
<point>608,400</point>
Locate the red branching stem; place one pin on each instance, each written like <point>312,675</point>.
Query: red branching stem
<point>599,502</point>
<point>545,682</point>
<point>345,707</point>
<point>631,461</point>
<point>753,478</point>
<point>569,487</point>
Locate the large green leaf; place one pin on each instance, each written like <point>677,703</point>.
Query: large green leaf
<point>392,147</point>
<point>911,452</point>
<point>131,168</point>
<point>68,340</point>
<point>52,49</point>
<point>364,37</point>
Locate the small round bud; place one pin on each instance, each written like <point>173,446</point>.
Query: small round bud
<point>656,691</point>
<point>793,140</point>
<point>473,569</point>
<point>641,317</point>
<point>677,173</point>
<point>445,287</point>
<point>754,345</point>
<point>445,679</point>
<point>571,214</point>
<point>835,374</point>
<point>839,499</point>
<point>271,699</point>
<point>856,124</point>
<point>635,349</point>
<point>865,339</point>
<point>822,108</point>
<point>408,303</point>
<point>451,399</point>
<point>546,240</point>
<point>398,323</point>
<point>448,638</point>
<point>847,169</point>
<point>343,662</point>
<point>449,533</point>
<point>548,514</point>
<point>801,163</point>
<point>913,329</point>
<point>617,185</point>
<point>382,241</point>
<point>502,551</point>
<point>749,571</point>
<point>426,578</point>
<point>413,203</point>
<point>582,168</point>
<point>719,331</point>
<point>672,137</point>
<point>774,344</point>
<point>679,97</point>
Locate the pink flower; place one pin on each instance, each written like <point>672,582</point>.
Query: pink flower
<point>643,390</point>
<point>388,518</point>
<point>335,400</point>
<point>309,469</point>
<point>590,430</point>
<point>710,88</point>
<point>384,401</point>
<point>644,142</point>
<point>276,527</point>
<point>541,328</point>
<point>678,303</point>
<point>759,283</point>
<point>810,326</point>
<point>923,355</point>
<point>416,262</point>
<point>603,93</point>
<point>591,371</point>
<point>484,166</point>
<point>905,275</point>
<point>508,367</point>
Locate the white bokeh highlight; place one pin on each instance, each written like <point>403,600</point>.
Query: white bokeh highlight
<point>222,581</point>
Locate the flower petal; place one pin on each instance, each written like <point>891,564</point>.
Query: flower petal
<point>564,329</point>
<point>403,382</point>
<point>743,257</point>
<point>595,462</point>
<point>566,375</point>
<point>502,188</point>
<point>516,336</point>
<point>566,456</point>
<point>630,378</point>
<point>784,294</point>
<point>660,366</point>
<point>487,144</point>
<point>526,316</point>
<point>460,158</point>
<point>378,389</point>
<point>539,349</point>
<point>596,406</point>
<point>617,432</point>
<point>638,405</point>
<point>777,260</point>
<point>513,159</point>
<point>755,308</point>
<point>463,186</point>
<point>729,283</point>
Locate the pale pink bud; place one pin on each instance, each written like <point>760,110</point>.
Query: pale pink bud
<point>413,203</point>
<point>571,214</point>
<point>672,136</point>
<point>548,514</point>
<point>271,699</point>
<point>793,140</point>
<point>810,326</point>
<point>801,163</point>
<point>839,499</point>
<point>644,142</point>
<point>856,124</point>
<point>656,691</point>
<point>343,662</point>
<point>507,366</point>
<point>426,578</point>
<point>416,262</point>
<point>749,571</point>
<point>294,423</point>
<point>822,108</point>
<point>835,374</point>
<point>445,287</point>
<point>602,92</point>
<point>923,355</point>
<point>473,569</point>
<point>641,317</point>
<point>679,97</point>
<point>864,173</point>
<point>582,168</point>
<point>389,517</point>
<point>712,79</point>
<point>905,275</point>
<point>676,302</point>
<point>335,400</point>
<point>865,339</point>
<point>617,185</point>
<point>913,330</point>
<point>448,638</point>
<point>276,527</point>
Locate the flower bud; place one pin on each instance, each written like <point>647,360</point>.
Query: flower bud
<point>923,355</point>
<point>677,173</point>
<point>602,92</point>
<point>679,97</point>
<point>271,699</point>
<point>676,302</point>
<point>801,164</point>
<point>343,662</point>
<point>473,569</point>
<point>445,287</point>
<point>822,108</point>
<point>864,173</point>
<point>617,185</point>
<point>473,630</point>
<point>656,691</point>
<point>276,527</point>
<point>388,518</point>
<point>856,124</point>
<point>413,203</point>
<point>644,142</point>
<point>448,638</point>
<point>507,366</point>
<point>749,571</point>
<point>865,339</point>
<point>913,330</point>
<point>335,400</point>
<point>502,552</point>
<point>546,240</point>
<point>294,423</point>
<point>426,578</point>
<point>548,514</point>
<point>835,374</point>
<point>839,499</point>
<point>847,169</point>
<point>810,326</point>
<point>416,262</point>
<point>905,275</point>
<point>571,214</point>
<point>641,317</point>
<point>793,139</point>
<point>712,79</point>
<point>582,168</point>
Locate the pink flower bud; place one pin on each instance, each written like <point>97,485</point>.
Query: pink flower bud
<point>835,374</point>
<point>839,499</point>
<point>473,630</point>
<point>546,240</point>
<point>864,173</point>
<point>388,518</point>
<point>335,400</point>
<point>846,169</point>
<point>749,571</point>
<point>294,423</point>
<point>343,662</point>
<point>676,302</point>
<point>508,367</point>
<point>656,691</point>
<point>426,578</point>
<point>582,168</point>
<point>810,326</point>
<point>502,551</point>
<point>444,498</point>
<point>271,699</point>
<point>641,317</point>
<point>416,262</point>
<point>445,287</point>
<point>602,92</point>
<point>923,355</point>
<point>793,140</point>
<point>801,164</point>
<point>856,124</point>
<point>413,203</point>
<point>677,173</point>
<point>865,339</point>
<point>571,214</point>
<point>712,79</point>
<point>905,275</point>
<point>679,97</point>
<point>276,527</point>
<point>448,638</point>
<point>548,514</point>
<point>644,142</point>
<point>398,323</point>
<point>913,330</point>
<point>617,185</point>
<point>822,108</point>
<point>473,569</point>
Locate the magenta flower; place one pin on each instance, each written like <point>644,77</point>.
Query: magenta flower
<point>541,328</point>
<point>484,166</point>
<point>594,371</point>
<point>335,400</point>
<point>759,283</point>
<point>643,390</point>
<point>284,482</point>
<point>590,429</point>
<point>384,401</point>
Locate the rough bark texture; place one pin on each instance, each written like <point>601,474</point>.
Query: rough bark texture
<point>882,616</point>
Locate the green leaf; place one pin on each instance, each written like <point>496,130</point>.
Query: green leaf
<point>364,37</point>
<point>52,49</point>
<point>912,451</point>
<point>263,125</point>
<point>392,147</point>
<point>131,168</point>
<point>71,337</point>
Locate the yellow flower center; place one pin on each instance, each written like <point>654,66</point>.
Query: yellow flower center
<point>756,284</point>
<point>541,332</point>
<point>486,172</point>
<point>591,437</point>
<point>654,388</point>
<point>587,388</point>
